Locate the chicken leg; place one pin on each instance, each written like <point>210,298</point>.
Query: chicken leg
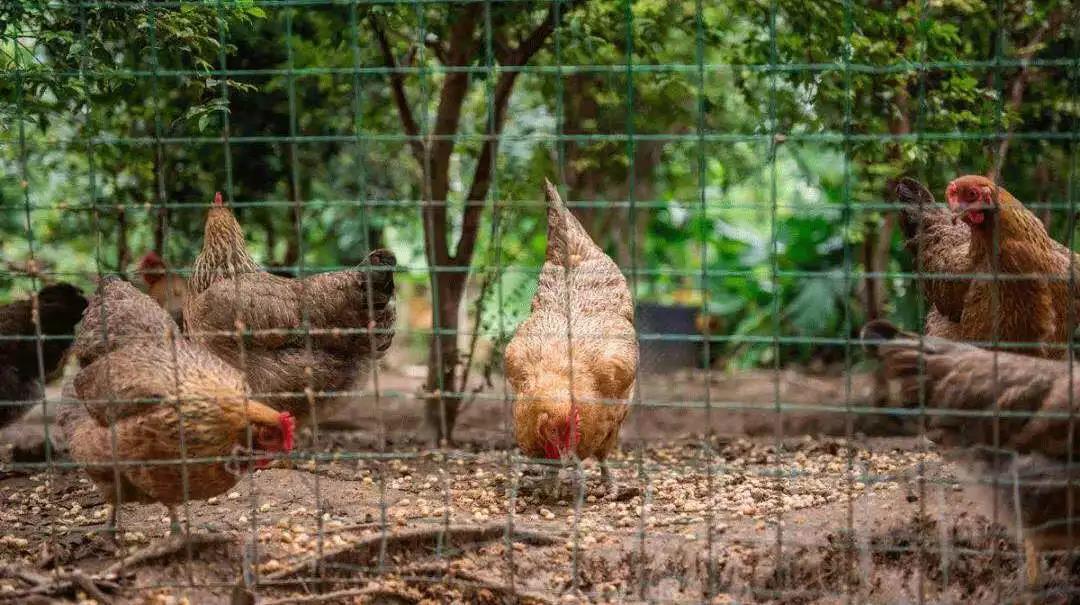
<point>607,479</point>
<point>612,493</point>
<point>114,514</point>
<point>175,528</point>
<point>551,484</point>
<point>1031,563</point>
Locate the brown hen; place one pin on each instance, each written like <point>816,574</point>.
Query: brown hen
<point>572,364</point>
<point>166,288</point>
<point>973,394</point>
<point>1029,307</point>
<point>166,400</point>
<point>306,342</point>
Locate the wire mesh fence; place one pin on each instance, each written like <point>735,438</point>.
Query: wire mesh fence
<point>384,365</point>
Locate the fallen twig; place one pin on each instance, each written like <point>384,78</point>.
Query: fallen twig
<point>362,551</point>
<point>354,527</point>
<point>164,548</point>
<point>89,587</point>
<point>55,584</point>
<point>340,595</point>
<point>478,582</point>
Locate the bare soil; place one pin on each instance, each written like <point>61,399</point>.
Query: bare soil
<point>734,501</point>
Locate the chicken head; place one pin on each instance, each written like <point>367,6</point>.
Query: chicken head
<point>972,198</point>
<point>559,436</point>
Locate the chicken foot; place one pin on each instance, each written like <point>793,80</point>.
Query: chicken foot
<point>551,484</point>
<point>611,488</point>
<point>546,485</point>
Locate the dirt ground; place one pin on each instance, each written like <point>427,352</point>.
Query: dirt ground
<point>733,504</point>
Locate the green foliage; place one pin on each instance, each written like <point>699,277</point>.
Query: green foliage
<point>114,117</point>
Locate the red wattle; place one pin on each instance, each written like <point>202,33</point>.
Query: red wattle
<point>288,428</point>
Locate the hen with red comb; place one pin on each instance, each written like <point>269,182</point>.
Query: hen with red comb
<point>572,364</point>
<point>153,395</point>
<point>985,231</point>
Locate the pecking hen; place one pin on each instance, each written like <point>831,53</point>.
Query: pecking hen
<point>572,364</point>
<point>166,288</point>
<point>165,399</point>
<point>1029,308</point>
<point>305,341</point>
<point>973,394</point>
<point>59,307</point>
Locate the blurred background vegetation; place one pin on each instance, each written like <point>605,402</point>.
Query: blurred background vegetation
<point>731,156</point>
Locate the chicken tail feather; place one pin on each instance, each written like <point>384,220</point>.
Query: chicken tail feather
<point>919,206</point>
<point>568,242</point>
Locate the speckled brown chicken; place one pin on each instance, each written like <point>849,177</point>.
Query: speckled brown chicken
<point>307,342</point>
<point>572,364</point>
<point>1030,306</point>
<point>59,309</point>
<point>1016,409</point>
<point>167,399</point>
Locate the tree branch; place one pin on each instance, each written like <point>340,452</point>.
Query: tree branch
<point>481,182</point>
<point>438,49</point>
<point>436,165</point>
<point>500,48</point>
<point>532,43</point>
<point>1019,84</point>
<point>452,97</point>
<point>397,85</point>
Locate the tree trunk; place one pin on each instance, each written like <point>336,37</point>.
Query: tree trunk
<point>121,240</point>
<point>162,218</point>
<point>434,158</point>
<point>271,237</point>
<point>443,400</point>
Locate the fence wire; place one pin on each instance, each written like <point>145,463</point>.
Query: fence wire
<point>742,191</point>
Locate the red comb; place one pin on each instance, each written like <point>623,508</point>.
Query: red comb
<point>151,266</point>
<point>288,427</point>
<point>151,259</point>
<point>218,200</point>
